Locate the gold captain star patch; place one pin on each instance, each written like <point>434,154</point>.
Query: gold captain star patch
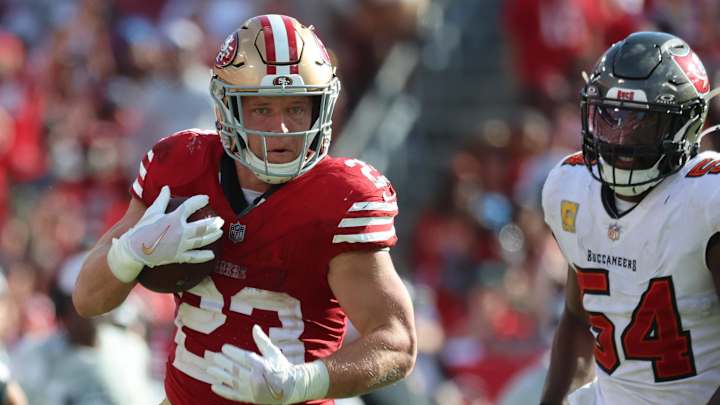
<point>568,212</point>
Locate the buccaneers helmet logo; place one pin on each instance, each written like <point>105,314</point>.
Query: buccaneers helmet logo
<point>694,70</point>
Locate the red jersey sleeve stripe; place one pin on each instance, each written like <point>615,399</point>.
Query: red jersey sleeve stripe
<point>366,237</point>
<point>374,206</point>
<point>365,221</point>
<point>367,229</point>
<point>137,188</point>
<point>142,171</point>
<point>149,157</point>
<point>139,182</point>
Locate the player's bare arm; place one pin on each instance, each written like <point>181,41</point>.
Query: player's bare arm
<point>97,290</point>
<point>376,301</point>
<point>712,258</point>
<point>572,343</point>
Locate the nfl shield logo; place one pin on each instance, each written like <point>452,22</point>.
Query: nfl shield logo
<point>237,232</point>
<point>614,232</point>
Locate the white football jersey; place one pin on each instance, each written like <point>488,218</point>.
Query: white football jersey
<point>648,292</point>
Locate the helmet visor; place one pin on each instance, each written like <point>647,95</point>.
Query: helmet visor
<point>628,138</point>
<point>623,126</point>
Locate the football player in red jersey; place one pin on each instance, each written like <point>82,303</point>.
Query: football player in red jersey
<point>306,238</point>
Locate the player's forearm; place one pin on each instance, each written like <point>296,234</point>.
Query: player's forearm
<point>377,359</point>
<point>572,341</point>
<point>97,290</point>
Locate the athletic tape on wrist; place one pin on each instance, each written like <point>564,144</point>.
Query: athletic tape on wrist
<point>312,382</point>
<point>121,264</point>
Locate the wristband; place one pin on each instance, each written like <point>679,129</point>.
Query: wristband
<point>122,265</point>
<point>312,382</point>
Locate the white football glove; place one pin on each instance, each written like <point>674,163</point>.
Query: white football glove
<point>159,238</point>
<point>268,378</point>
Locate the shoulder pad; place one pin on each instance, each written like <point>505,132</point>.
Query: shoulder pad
<point>353,177</point>
<point>564,181</point>
<point>359,205</point>
<point>576,159</point>
<point>175,160</point>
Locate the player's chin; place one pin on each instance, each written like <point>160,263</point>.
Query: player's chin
<point>281,157</point>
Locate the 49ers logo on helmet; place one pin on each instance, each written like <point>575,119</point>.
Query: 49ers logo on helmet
<point>227,51</point>
<point>694,70</point>
<point>282,81</point>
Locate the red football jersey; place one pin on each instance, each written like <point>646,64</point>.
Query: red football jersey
<point>273,267</point>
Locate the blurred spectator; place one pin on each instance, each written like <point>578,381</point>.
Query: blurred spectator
<point>81,363</point>
<point>10,391</point>
<point>553,40</point>
<point>20,119</point>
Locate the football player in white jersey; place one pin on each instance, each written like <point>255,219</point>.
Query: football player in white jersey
<point>636,216</point>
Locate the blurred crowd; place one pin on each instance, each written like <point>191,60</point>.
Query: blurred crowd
<point>86,87</point>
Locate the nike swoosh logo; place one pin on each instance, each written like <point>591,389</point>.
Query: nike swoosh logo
<point>273,393</point>
<point>148,250</point>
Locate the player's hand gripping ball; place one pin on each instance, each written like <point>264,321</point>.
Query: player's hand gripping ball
<point>177,277</point>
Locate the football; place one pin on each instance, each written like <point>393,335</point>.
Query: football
<point>177,277</point>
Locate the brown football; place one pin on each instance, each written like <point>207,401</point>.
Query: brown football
<point>177,277</point>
